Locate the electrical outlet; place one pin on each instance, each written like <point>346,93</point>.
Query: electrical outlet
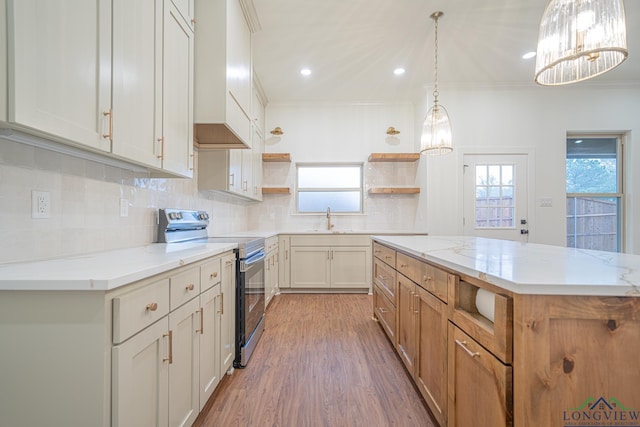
<point>546,202</point>
<point>124,207</point>
<point>40,204</point>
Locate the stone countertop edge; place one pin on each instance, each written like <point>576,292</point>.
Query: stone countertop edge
<point>104,271</point>
<point>528,268</point>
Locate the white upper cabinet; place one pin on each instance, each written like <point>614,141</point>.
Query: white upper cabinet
<point>177,94</point>
<point>59,69</point>
<point>137,80</point>
<point>110,76</point>
<point>222,75</point>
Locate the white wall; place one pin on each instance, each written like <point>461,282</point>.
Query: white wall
<point>85,199</point>
<point>534,120</point>
<point>342,133</point>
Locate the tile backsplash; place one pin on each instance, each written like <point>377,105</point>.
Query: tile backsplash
<point>85,205</point>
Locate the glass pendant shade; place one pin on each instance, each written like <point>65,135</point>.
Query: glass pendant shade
<point>580,39</point>
<point>436,132</point>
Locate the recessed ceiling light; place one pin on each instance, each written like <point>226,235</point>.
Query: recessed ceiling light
<point>398,71</point>
<point>528,55</point>
<point>305,72</point>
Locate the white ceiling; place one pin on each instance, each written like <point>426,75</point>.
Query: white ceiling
<point>353,46</point>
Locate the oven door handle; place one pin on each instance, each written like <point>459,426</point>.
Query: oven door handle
<point>255,258</point>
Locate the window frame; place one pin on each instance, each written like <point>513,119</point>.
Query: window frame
<point>360,189</point>
<point>620,194</point>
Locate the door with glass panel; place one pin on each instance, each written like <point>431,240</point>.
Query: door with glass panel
<point>495,196</point>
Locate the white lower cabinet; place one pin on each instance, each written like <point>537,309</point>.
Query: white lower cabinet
<point>228,313</point>
<point>184,364</point>
<point>140,378</point>
<point>209,344</point>
<point>330,262</point>
<point>271,270</point>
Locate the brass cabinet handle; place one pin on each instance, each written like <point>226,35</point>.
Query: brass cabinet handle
<point>222,303</point>
<point>152,306</point>
<point>404,265</point>
<point>170,358</point>
<point>110,114</point>
<point>215,273</point>
<point>388,257</point>
<point>427,278</point>
<point>463,344</point>
<point>416,308</point>
<point>232,180</point>
<point>161,156</point>
<point>201,330</point>
<point>190,287</point>
<point>382,310</point>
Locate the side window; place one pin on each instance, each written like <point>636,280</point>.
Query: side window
<point>594,192</point>
<point>335,186</point>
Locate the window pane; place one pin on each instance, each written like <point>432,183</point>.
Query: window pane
<point>592,223</point>
<point>319,201</point>
<point>592,165</point>
<point>329,177</point>
<point>495,196</point>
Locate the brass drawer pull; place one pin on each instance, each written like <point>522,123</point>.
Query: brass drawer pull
<point>404,265</point>
<point>152,306</point>
<point>170,358</point>
<point>463,344</point>
<point>190,287</point>
<point>388,257</point>
<point>382,310</point>
<point>201,330</point>
<point>427,278</point>
<point>215,273</point>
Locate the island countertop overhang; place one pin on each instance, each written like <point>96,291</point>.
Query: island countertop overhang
<point>527,268</point>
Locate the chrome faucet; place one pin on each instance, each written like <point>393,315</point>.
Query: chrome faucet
<point>329,225</point>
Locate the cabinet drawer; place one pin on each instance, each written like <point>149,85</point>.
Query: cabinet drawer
<point>410,267</point>
<point>385,312</point>
<point>210,274</point>
<point>385,278</point>
<point>331,240</point>
<point>480,386</point>
<point>385,254</point>
<point>184,286</point>
<point>434,280</point>
<point>497,335</point>
<point>271,244</point>
<point>138,309</point>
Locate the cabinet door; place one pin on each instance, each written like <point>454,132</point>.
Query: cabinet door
<point>310,267</point>
<point>186,9</point>
<point>431,366</point>
<point>228,313</point>
<point>137,80</point>
<point>284,263</point>
<point>177,94</point>
<point>257,146</point>
<point>239,57</point>
<point>60,68</point>
<point>184,366</point>
<point>351,267</point>
<point>247,173</point>
<point>140,378</point>
<point>235,171</point>
<point>407,346</point>
<point>209,344</point>
<point>480,386</point>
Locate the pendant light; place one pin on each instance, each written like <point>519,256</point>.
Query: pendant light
<point>436,130</point>
<point>580,39</point>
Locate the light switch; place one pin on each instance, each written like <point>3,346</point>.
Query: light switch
<point>546,202</point>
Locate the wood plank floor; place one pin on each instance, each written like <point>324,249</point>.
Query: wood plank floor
<point>322,361</point>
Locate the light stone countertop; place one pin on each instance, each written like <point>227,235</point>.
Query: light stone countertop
<point>105,271</point>
<point>528,268</point>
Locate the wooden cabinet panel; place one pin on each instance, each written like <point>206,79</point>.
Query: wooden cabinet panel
<point>431,366</point>
<point>407,337</point>
<point>385,254</point>
<point>480,386</point>
<point>385,277</point>
<point>585,349</point>
<point>386,313</point>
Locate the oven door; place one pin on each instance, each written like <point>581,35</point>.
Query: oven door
<point>253,278</point>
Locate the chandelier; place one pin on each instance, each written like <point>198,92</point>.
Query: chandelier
<point>580,39</point>
<point>436,130</point>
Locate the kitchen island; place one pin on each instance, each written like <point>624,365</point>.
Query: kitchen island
<point>506,333</point>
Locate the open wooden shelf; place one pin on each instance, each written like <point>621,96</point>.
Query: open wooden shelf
<point>276,157</point>
<point>394,157</point>
<point>394,190</point>
<point>276,190</point>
